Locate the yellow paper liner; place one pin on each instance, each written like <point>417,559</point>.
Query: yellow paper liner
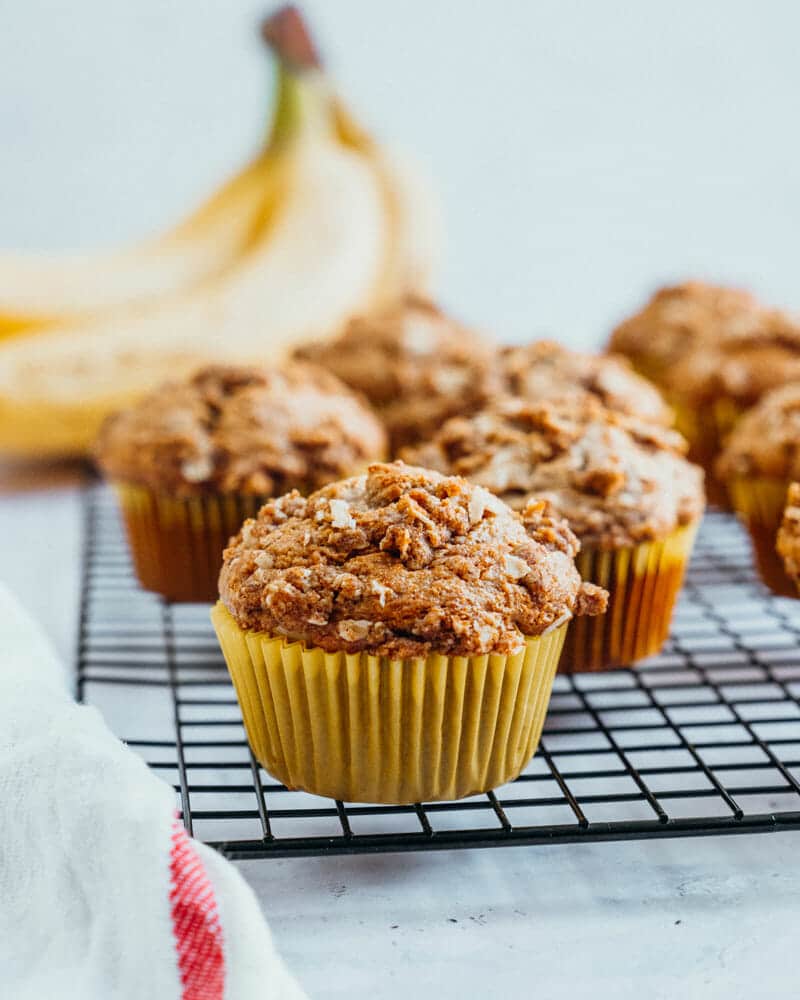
<point>726,415</point>
<point>759,501</point>
<point>177,544</point>
<point>642,582</point>
<point>365,728</point>
<point>702,426</point>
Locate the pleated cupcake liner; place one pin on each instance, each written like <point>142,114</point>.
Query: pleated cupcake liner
<point>726,416</point>
<point>365,728</point>
<point>759,501</point>
<point>177,544</point>
<point>643,582</point>
<point>705,427</point>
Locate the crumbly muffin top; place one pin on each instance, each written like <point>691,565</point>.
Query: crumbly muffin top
<point>617,480</point>
<point>402,562</point>
<point>704,340</point>
<point>788,541</point>
<point>242,430</point>
<point>750,366</point>
<point>766,440</point>
<point>545,369</point>
<point>414,364</point>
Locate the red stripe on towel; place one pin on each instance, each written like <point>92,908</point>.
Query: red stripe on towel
<point>195,922</point>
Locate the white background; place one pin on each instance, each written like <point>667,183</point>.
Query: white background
<point>585,152</point>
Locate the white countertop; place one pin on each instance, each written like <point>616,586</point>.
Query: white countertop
<point>657,919</point>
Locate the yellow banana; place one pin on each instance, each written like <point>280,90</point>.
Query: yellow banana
<point>414,223</point>
<point>318,260</point>
<point>335,238</point>
<point>39,290</point>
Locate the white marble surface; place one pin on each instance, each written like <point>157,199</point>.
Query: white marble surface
<point>585,153</point>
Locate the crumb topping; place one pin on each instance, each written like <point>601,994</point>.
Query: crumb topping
<point>415,365</point>
<point>617,480</point>
<point>701,341</point>
<point>242,430</point>
<point>766,440</point>
<point>419,567</point>
<point>545,369</point>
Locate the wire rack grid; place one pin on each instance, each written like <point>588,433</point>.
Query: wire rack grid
<point>702,739</point>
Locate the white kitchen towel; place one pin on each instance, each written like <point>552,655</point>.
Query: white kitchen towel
<point>102,893</point>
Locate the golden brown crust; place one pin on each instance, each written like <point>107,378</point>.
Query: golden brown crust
<point>788,541</point>
<point>752,366</point>
<point>545,369</point>
<point>616,479</point>
<point>766,440</point>
<point>242,430</point>
<point>403,562</point>
<point>679,318</point>
<point>414,364</point>
<point>701,342</point>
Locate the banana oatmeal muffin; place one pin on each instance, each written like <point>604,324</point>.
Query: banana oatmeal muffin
<point>545,369</point>
<point>758,464</point>
<point>415,365</point>
<point>714,352</point>
<point>393,637</point>
<point>788,543</point>
<point>680,318</point>
<point>192,459</point>
<point>623,485</point>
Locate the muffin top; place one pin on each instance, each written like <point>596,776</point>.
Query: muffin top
<point>414,364</point>
<point>750,365</point>
<point>766,440</point>
<point>545,369</point>
<point>680,335</point>
<point>617,479</point>
<point>788,542</point>
<point>242,430</point>
<point>402,562</point>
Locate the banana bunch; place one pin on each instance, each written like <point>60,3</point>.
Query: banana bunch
<point>322,225</point>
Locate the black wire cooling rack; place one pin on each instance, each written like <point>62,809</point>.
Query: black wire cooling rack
<point>703,739</point>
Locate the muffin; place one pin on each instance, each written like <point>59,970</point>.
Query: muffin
<point>625,489</point>
<point>415,365</point>
<point>394,637</point>
<point>760,461</point>
<point>788,542</point>
<point>677,320</point>
<point>545,369</point>
<point>714,352</point>
<point>194,458</point>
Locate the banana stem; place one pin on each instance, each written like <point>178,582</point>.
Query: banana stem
<point>303,99</point>
<point>288,36</point>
